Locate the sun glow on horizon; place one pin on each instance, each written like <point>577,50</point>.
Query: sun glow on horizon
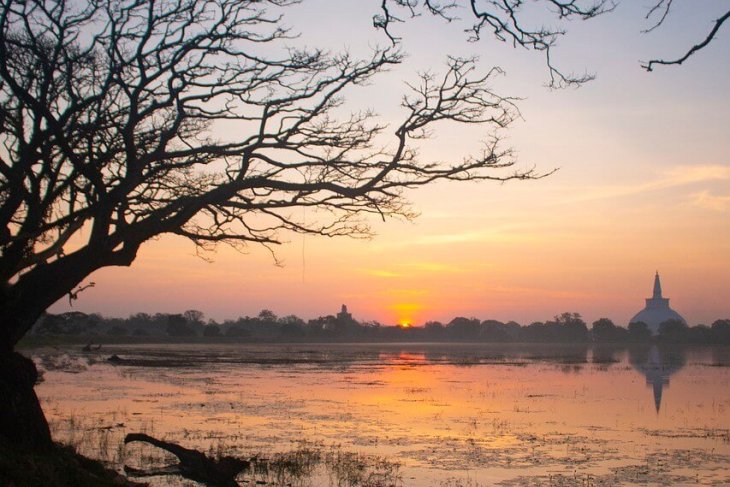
<point>407,313</point>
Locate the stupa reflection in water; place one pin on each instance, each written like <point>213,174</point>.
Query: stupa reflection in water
<point>657,365</point>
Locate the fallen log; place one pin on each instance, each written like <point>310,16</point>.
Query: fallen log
<point>143,362</point>
<point>195,465</point>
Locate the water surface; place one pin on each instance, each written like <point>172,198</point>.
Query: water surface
<point>435,414</point>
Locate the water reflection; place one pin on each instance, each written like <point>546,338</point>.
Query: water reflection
<point>657,364</point>
<point>508,414</point>
<point>720,357</point>
<point>607,354</point>
<point>568,356</point>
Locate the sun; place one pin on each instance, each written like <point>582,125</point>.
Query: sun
<point>404,324</point>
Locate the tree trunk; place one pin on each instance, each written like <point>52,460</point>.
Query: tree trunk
<point>22,423</point>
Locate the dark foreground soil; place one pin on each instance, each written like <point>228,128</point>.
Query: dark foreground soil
<point>60,467</point>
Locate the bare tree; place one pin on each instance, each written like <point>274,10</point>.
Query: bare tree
<point>112,115</point>
<point>503,18</point>
<point>506,22</point>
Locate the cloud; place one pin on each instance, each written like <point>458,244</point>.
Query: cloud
<point>670,178</point>
<point>440,215</point>
<point>406,307</point>
<point>412,269</point>
<point>458,237</point>
<point>704,199</point>
<point>681,175</point>
<point>436,267</point>
<point>501,233</point>
<point>380,273</point>
<point>403,293</point>
<point>537,292</point>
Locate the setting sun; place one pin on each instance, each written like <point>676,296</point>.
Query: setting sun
<point>404,324</point>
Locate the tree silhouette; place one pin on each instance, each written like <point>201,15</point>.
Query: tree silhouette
<point>721,331</point>
<point>673,331</point>
<point>604,330</point>
<point>109,113</point>
<point>507,22</point>
<point>639,332</point>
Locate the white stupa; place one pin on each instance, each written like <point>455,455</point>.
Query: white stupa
<point>657,309</point>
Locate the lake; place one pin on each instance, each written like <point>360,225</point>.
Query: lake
<point>403,414</point>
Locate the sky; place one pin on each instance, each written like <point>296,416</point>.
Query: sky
<point>642,185</point>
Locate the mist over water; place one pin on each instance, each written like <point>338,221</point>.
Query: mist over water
<point>438,414</point>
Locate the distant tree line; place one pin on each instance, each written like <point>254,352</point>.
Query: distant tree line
<point>267,326</point>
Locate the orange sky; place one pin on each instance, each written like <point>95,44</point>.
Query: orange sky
<point>643,185</point>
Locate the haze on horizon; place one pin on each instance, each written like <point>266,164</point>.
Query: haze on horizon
<point>643,185</point>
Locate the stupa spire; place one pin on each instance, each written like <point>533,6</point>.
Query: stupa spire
<point>657,287</point>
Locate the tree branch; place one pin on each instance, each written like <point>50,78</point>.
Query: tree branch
<point>649,66</point>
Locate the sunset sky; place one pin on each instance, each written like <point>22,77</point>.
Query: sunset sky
<point>643,185</point>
